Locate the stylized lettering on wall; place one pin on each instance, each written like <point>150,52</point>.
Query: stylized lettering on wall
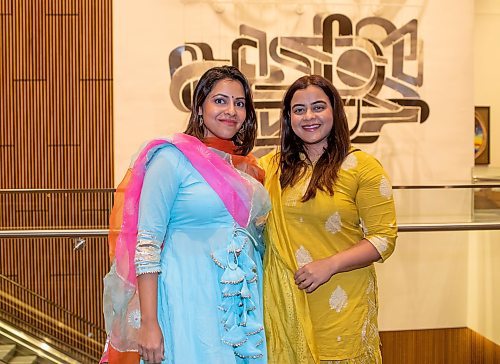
<point>376,66</point>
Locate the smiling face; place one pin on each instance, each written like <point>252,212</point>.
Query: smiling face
<point>311,116</point>
<point>224,109</point>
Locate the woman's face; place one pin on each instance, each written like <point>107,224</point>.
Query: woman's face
<point>311,116</point>
<point>224,109</point>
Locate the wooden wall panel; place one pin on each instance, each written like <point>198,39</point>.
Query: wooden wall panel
<point>7,140</point>
<point>67,280</point>
<point>438,346</point>
<point>56,94</point>
<point>55,209</point>
<point>56,134</point>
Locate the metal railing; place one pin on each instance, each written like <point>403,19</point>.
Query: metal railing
<point>49,322</point>
<point>404,227</point>
<point>50,288</point>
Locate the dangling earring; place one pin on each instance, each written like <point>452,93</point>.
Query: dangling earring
<point>200,120</point>
<point>240,135</point>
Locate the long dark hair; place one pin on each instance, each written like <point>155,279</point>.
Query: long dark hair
<point>245,138</point>
<point>291,161</point>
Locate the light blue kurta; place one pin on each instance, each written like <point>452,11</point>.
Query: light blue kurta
<point>180,212</point>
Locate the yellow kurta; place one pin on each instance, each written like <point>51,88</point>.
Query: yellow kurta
<point>338,321</point>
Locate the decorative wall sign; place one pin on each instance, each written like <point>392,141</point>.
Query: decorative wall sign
<point>482,134</point>
<point>376,65</point>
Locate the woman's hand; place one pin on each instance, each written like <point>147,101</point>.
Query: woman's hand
<point>314,274</point>
<point>150,342</point>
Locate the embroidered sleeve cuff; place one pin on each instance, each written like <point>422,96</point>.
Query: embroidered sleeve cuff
<point>147,256</point>
<point>381,244</point>
<point>140,271</point>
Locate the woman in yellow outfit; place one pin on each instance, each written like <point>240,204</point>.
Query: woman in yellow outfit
<point>332,217</point>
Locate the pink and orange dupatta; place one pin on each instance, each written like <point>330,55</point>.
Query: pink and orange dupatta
<point>120,294</point>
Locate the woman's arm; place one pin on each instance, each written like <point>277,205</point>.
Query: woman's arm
<point>159,190</point>
<point>150,338</point>
<point>314,274</point>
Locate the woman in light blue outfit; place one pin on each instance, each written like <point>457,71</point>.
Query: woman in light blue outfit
<point>198,246</point>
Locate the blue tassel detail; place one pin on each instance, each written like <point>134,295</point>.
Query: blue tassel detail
<point>243,331</point>
<point>227,303</point>
<point>245,292</point>
<point>252,327</point>
<point>244,316</point>
<point>249,305</point>
<point>235,337</point>
<point>235,246</point>
<point>256,340</point>
<point>220,258</point>
<point>229,320</point>
<point>232,276</point>
<point>248,351</point>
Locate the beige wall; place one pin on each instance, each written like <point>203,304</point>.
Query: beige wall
<point>483,314</point>
<point>424,284</point>
<point>140,53</point>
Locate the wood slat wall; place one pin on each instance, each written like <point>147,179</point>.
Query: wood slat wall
<point>55,210</point>
<point>56,132</point>
<point>56,94</point>
<point>70,284</point>
<point>53,270</point>
<point>438,346</point>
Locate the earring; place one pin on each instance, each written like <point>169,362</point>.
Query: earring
<point>243,128</point>
<point>240,135</point>
<point>200,120</point>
